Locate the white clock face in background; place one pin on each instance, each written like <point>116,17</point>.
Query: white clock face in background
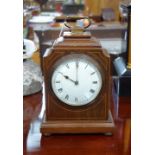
<point>76,80</point>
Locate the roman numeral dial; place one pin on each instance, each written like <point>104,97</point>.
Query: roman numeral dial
<point>92,91</point>
<point>94,82</point>
<point>76,80</point>
<point>67,97</point>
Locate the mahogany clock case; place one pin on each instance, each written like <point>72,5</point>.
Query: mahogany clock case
<point>97,111</point>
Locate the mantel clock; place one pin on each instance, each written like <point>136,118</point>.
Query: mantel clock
<point>77,84</point>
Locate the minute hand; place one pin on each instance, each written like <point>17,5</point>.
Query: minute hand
<point>77,66</point>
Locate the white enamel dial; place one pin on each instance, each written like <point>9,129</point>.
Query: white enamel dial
<point>76,80</point>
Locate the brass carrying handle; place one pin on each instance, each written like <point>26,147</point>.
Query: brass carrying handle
<point>68,18</point>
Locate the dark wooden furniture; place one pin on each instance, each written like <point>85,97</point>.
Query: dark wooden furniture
<point>70,9</point>
<point>93,144</point>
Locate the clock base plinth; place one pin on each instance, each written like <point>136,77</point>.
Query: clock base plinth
<point>78,127</point>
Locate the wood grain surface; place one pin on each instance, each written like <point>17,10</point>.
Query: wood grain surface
<point>91,144</point>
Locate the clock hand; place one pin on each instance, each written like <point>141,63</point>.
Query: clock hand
<point>77,66</point>
<point>68,78</point>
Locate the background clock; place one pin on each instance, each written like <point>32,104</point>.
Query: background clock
<point>77,85</point>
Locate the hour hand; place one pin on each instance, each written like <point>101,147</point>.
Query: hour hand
<point>68,78</point>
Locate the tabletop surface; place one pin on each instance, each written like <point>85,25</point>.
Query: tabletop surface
<point>92,144</point>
